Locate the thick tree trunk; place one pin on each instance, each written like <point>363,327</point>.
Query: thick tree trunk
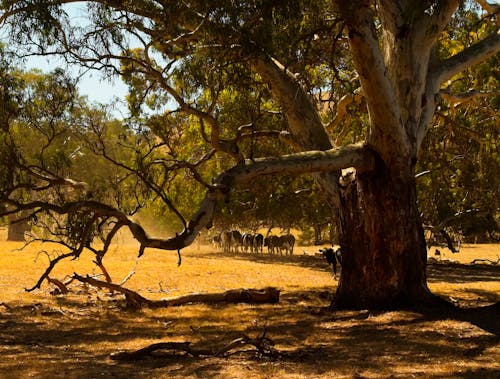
<point>383,247</point>
<point>18,225</point>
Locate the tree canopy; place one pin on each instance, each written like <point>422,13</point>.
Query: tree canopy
<point>237,91</point>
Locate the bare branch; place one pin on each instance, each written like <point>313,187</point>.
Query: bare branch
<point>342,107</point>
<point>48,270</point>
<point>465,97</point>
<point>356,155</point>
<point>472,55</point>
<point>60,285</point>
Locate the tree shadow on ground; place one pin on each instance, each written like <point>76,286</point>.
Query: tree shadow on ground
<point>462,273</point>
<point>485,317</point>
<point>311,340</point>
<point>73,337</point>
<point>436,271</point>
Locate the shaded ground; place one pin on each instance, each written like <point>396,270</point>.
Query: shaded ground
<point>72,336</point>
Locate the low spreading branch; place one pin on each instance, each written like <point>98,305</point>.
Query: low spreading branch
<point>356,155</point>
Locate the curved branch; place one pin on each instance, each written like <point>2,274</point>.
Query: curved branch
<point>342,107</point>
<point>356,155</point>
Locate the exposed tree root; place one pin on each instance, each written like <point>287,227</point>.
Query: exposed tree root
<point>267,295</point>
<point>264,347</point>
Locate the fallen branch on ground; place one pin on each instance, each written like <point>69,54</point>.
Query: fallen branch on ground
<point>478,261</point>
<point>61,287</point>
<point>267,295</point>
<point>263,346</point>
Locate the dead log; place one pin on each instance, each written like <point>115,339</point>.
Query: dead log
<point>267,295</point>
<point>482,261</point>
<point>262,345</point>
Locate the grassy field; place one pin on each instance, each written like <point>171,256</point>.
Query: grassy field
<point>72,336</point>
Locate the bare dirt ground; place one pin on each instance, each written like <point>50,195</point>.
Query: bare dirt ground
<point>73,335</point>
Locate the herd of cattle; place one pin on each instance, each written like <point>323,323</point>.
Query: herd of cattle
<point>233,241</point>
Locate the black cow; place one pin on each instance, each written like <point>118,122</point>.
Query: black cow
<point>332,257</point>
<point>272,243</point>
<point>236,240</point>
<point>258,243</point>
<point>247,242</point>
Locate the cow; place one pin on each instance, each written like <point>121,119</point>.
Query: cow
<point>258,243</point>
<point>236,240</point>
<point>272,243</point>
<point>216,241</point>
<point>286,243</point>
<point>230,241</point>
<point>247,242</point>
<point>332,257</point>
<point>280,244</point>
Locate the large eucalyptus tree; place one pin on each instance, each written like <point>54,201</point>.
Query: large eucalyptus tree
<point>281,57</point>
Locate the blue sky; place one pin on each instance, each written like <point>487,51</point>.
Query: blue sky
<point>92,84</point>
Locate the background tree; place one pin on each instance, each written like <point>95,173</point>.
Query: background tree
<point>51,136</point>
<point>277,57</point>
<point>461,149</point>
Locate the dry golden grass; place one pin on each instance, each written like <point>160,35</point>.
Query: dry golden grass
<point>71,336</point>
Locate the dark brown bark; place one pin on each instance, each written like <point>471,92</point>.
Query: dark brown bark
<point>383,247</point>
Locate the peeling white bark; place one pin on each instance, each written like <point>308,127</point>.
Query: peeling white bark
<point>385,133</point>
